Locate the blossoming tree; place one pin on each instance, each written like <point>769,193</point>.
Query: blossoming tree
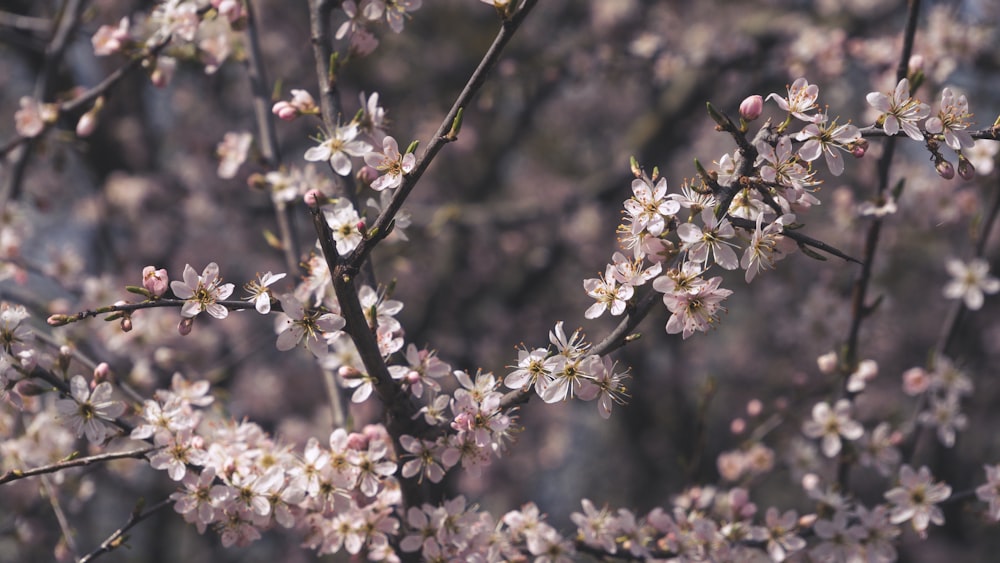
<point>817,409</point>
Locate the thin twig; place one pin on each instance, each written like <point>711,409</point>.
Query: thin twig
<point>69,18</point>
<point>16,474</point>
<point>859,306</point>
<point>118,538</point>
<point>270,149</point>
<point>64,526</point>
<point>382,224</point>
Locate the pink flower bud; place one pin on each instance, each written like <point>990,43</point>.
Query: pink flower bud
<point>86,125</point>
<point>945,169</point>
<point>367,175</point>
<point>102,372</point>
<point>312,197</point>
<point>57,320</point>
<point>357,441</point>
<point>827,362</point>
<point>126,324</point>
<point>916,63</point>
<point>859,148</point>
<point>155,281</point>
<point>184,327</point>
<point>347,372</point>
<point>752,107</point>
<point>965,168</point>
<point>916,381</point>
<point>284,110</point>
<point>754,407</point>
<point>738,426</point>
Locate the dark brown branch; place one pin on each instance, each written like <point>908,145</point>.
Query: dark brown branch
<point>15,474</point>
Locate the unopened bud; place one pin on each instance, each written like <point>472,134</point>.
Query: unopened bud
<point>357,441</point>
<point>126,324</point>
<point>102,372</point>
<point>916,63</point>
<point>284,110</point>
<point>827,363</point>
<point>361,227</point>
<point>155,281</point>
<point>367,175</point>
<point>184,327</point>
<point>57,320</point>
<point>86,125</point>
<point>347,372</point>
<point>965,168</point>
<point>752,107</point>
<point>945,169</point>
<point>859,148</point>
<point>312,197</point>
<point>754,407</point>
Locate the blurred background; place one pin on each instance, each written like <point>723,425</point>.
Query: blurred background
<point>506,224</point>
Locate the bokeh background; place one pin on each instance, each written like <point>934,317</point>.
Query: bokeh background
<point>505,226</point>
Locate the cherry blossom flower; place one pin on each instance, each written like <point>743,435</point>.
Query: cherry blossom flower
<point>607,387</point>
<point>109,39</point>
<point>178,18</point>
<point>700,241</point>
<point>801,99</point>
<point>338,147</point>
<point>865,372</point>
<point>633,272</point>
<point>649,207</point>
<point>693,301</point>
<point>32,118</point>
<point>779,531</point>
<point>878,449</point>
<point>879,533</point>
<point>831,424</point>
<point>397,11</point>
<point>177,451</point>
<point>373,468</point>
<point>598,527</point>
<point>609,295</point>
<point>15,337</point>
<point>260,293</point>
<point>426,459</point>
<point>899,110</point>
<point>155,281</point>
<point>915,499</point>
<point>828,140</point>
<point>343,220</point>
<point>841,542</point>
<point>297,323</point>
<point>766,246</point>
<point>990,492</point>
<point>532,370</point>
<point>202,293</point>
<point>89,412</point>
<point>200,499</point>
<point>971,280</point>
<point>944,414</point>
<point>378,310</point>
<point>391,164</point>
<point>373,119</point>
<point>952,120</point>
<point>423,368</point>
<point>982,156</point>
